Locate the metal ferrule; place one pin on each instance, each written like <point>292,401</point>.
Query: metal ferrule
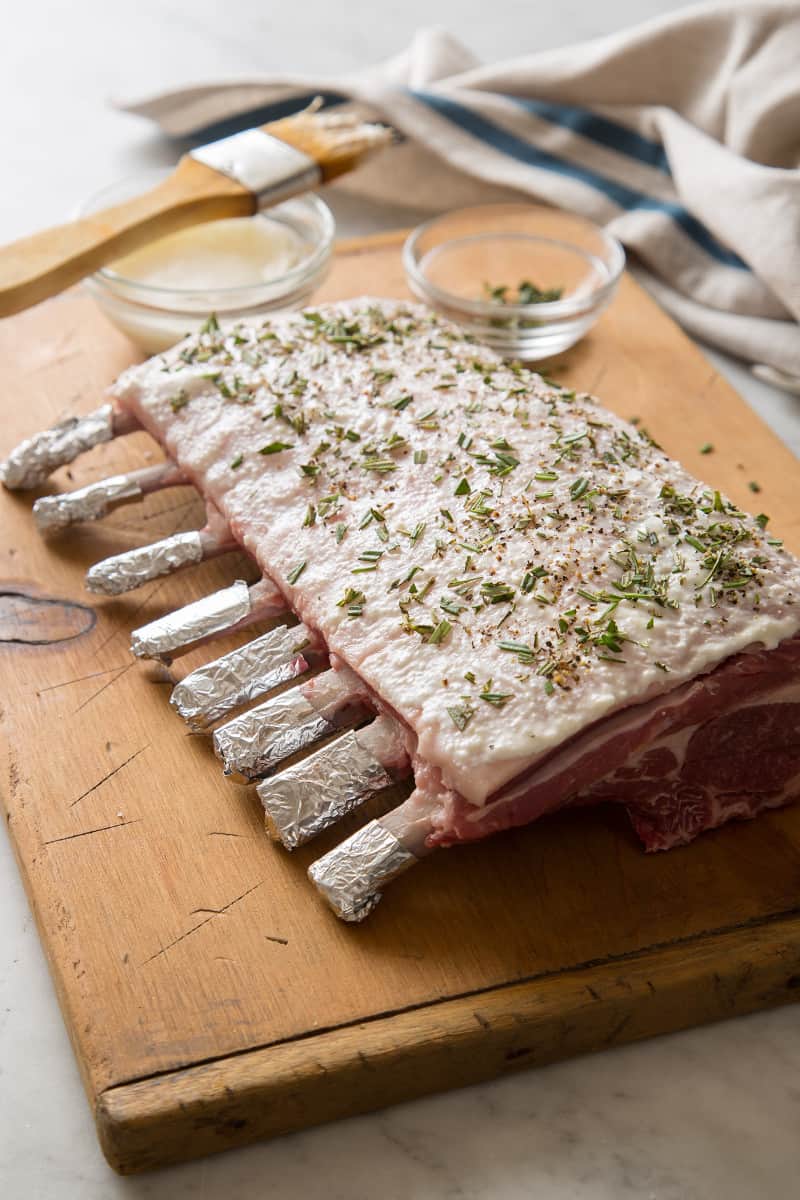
<point>311,795</point>
<point>33,460</point>
<point>212,691</point>
<point>130,570</point>
<point>269,168</point>
<point>258,741</point>
<point>350,877</point>
<point>212,614</point>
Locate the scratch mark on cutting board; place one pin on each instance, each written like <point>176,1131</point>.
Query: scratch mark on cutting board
<point>193,502</point>
<point>114,771</point>
<point>129,616</point>
<point>86,832</point>
<point>100,691</point>
<point>94,675</point>
<point>222,833</point>
<point>213,913</point>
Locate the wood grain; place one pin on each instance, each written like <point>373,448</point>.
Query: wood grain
<point>202,982</point>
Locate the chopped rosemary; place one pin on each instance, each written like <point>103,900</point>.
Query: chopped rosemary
<point>439,633</point>
<point>496,592</point>
<point>237,462</point>
<point>524,653</point>
<point>296,572</point>
<point>381,465</point>
<point>180,401</point>
<point>276,447</point>
<point>530,577</point>
<point>461,715</point>
<point>353,600</point>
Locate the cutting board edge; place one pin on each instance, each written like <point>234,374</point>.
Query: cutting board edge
<point>266,1092</point>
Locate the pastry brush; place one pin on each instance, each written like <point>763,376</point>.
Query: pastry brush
<point>234,177</point>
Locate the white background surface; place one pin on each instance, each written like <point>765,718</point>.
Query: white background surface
<point>714,1113</point>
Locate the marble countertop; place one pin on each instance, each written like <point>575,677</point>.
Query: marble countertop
<point>712,1113</point>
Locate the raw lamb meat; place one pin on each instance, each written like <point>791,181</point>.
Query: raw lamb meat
<point>549,609</point>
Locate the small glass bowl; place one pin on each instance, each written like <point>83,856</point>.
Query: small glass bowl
<point>156,317</point>
<point>470,264</point>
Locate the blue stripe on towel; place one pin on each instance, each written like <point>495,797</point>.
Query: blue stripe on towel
<point>600,130</point>
<point>622,195</point>
<point>260,116</point>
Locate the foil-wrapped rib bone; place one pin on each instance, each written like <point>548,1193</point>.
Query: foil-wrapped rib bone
<point>97,499</point>
<point>258,741</point>
<point>212,691</point>
<point>30,463</point>
<point>124,572</point>
<point>352,875</point>
<point>318,791</point>
<point>231,608</point>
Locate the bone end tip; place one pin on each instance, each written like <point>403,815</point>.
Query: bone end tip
<point>352,909</point>
<point>276,834</point>
<point>48,515</point>
<point>100,584</point>
<point>142,649</point>
<point>350,877</point>
<point>194,718</point>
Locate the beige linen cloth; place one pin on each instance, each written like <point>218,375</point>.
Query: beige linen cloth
<point>681,137</point>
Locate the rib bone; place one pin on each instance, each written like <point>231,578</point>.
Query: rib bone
<point>231,608</point>
<point>315,793</point>
<point>34,459</point>
<point>124,572</point>
<point>98,499</point>
<point>212,691</point>
<point>255,743</point>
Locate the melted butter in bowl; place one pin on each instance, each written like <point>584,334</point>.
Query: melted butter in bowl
<point>234,253</point>
<point>235,268</point>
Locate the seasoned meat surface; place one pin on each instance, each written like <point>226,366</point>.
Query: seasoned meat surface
<point>505,563</point>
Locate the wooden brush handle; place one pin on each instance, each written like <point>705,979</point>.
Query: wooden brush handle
<point>46,263</point>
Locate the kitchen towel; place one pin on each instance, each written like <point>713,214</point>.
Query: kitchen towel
<point>681,137</point>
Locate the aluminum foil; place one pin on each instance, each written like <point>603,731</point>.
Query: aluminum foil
<point>258,741</point>
<point>350,876</point>
<point>33,460</point>
<point>208,693</point>
<point>313,794</point>
<point>130,570</point>
<point>85,504</point>
<point>210,615</point>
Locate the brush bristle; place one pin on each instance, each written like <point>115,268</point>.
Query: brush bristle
<point>338,142</point>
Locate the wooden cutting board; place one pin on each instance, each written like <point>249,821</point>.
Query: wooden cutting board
<point>210,997</point>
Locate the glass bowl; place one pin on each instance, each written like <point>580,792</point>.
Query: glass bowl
<point>155,317</point>
<point>527,280</point>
